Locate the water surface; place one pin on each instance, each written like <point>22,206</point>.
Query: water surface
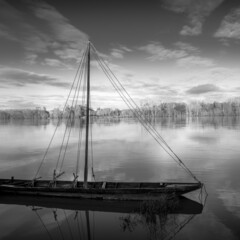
<point>124,151</point>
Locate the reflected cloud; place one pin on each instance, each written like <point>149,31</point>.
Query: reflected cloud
<point>231,200</point>
<point>203,139</point>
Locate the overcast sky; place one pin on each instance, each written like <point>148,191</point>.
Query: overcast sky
<point>161,50</point>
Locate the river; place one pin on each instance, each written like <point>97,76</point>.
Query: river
<point>124,151</point>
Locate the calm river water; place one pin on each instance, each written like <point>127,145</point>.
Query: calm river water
<point>124,151</point>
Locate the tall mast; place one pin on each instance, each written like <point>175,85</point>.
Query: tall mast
<point>87,119</point>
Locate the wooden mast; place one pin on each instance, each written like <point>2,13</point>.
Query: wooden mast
<point>87,119</point>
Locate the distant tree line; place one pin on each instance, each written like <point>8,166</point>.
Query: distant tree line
<point>230,108</point>
<point>24,114</point>
<point>73,112</point>
<point>194,109</point>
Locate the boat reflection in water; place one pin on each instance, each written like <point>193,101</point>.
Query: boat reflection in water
<point>58,218</point>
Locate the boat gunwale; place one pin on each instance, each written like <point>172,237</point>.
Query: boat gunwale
<point>107,186</point>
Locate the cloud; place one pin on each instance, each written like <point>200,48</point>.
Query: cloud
<point>5,32</point>
<point>65,34</point>
<point>205,88</point>
<point>18,77</point>
<point>117,53</point>
<point>185,54</point>
<point>196,29</point>
<point>120,51</point>
<point>190,61</point>
<point>20,103</point>
<point>41,29</point>
<point>186,47</point>
<point>68,54</point>
<point>126,49</point>
<point>31,58</point>
<point>230,26</point>
<point>155,89</point>
<point>158,52</point>
<point>54,63</point>
<point>19,29</point>
<point>196,11</point>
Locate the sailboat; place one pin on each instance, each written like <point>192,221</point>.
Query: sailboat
<point>94,189</point>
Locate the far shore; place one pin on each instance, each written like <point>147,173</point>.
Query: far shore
<point>174,110</point>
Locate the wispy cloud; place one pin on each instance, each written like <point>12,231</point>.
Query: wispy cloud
<point>120,51</point>
<point>205,88</point>
<point>126,49</point>
<point>157,90</point>
<point>19,29</point>
<point>18,77</point>
<point>117,53</point>
<point>186,47</point>
<point>67,37</point>
<point>230,26</point>
<point>190,61</point>
<point>159,52</point>
<point>31,101</point>
<point>20,103</point>
<point>196,10</point>
<point>54,63</point>
<point>41,31</point>
<point>5,32</point>
<point>183,53</point>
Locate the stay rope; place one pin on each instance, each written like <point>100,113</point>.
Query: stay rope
<point>59,118</point>
<point>91,145</point>
<point>75,98</point>
<point>138,113</point>
<point>69,120</point>
<point>80,129</point>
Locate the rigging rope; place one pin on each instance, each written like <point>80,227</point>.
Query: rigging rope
<point>131,103</point>
<point>68,225</point>
<point>78,227</point>
<point>91,145</point>
<point>55,130</point>
<point>80,129</point>
<point>40,219</point>
<point>83,228</point>
<point>59,228</point>
<point>69,117</point>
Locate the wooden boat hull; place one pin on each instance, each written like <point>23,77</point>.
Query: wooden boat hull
<point>97,190</point>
